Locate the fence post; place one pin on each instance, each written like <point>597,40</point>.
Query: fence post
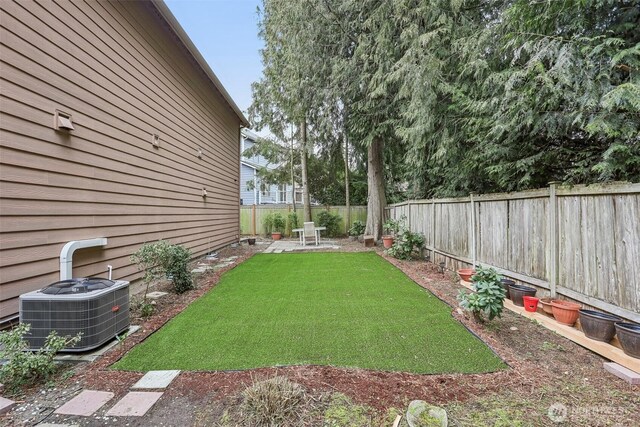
<point>552,253</point>
<point>253,220</point>
<point>433,230</point>
<point>409,216</point>
<point>473,231</point>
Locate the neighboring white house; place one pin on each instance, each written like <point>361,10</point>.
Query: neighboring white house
<point>252,192</point>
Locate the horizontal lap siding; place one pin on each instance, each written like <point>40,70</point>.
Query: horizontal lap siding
<point>121,74</point>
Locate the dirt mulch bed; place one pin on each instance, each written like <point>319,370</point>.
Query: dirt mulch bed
<point>537,359</point>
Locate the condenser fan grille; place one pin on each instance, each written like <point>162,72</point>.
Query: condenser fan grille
<point>99,311</point>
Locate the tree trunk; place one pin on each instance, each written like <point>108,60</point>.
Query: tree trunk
<point>306,201</point>
<point>293,176</point>
<point>347,224</point>
<point>375,181</point>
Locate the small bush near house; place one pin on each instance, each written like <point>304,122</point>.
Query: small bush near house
<point>357,229</point>
<point>331,221</point>
<point>25,367</point>
<point>160,260</point>
<point>273,402</point>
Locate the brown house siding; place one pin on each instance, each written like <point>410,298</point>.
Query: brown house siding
<point>123,75</point>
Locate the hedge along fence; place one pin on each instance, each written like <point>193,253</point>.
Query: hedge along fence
<point>582,242</point>
<point>252,216</point>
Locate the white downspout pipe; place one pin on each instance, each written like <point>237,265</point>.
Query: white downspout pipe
<point>66,254</point>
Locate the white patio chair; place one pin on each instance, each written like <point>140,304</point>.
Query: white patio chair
<point>309,230</point>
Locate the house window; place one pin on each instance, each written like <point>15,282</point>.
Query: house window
<point>282,193</point>
<point>298,196</point>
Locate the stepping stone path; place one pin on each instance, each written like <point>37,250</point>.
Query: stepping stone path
<point>86,403</point>
<point>133,404</point>
<point>156,379</point>
<point>6,405</point>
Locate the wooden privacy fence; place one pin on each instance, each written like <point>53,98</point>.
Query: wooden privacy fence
<point>252,216</point>
<point>582,242</point>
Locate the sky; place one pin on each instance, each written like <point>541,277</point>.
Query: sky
<point>226,34</point>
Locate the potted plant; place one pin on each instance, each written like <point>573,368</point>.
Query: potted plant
<point>278,223</point>
<point>488,298</point>
<point>391,228</point>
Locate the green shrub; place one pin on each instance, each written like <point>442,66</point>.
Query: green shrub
<point>405,243</point>
<point>357,229</point>
<point>292,219</point>
<point>267,223</point>
<point>274,223</point>
<point>331,221</point>
<point>393,226</point>
<point>25,367</point>
<point>489,296</point>
<point>279,222</point>
<point>161,260</point>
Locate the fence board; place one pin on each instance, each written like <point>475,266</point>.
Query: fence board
<point>493,227</point>
<point>598,239</point>
<point>527,238</point>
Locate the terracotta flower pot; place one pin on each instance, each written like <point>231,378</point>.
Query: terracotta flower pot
<point>565,312</point>
<point>276,236</point>
<point>530,303</point>
<point>546,305</point>
<point>466,273</point>
<point>598,326</point>
<point>629,337</point>
<point>518,291</point>
<point>387,241</point>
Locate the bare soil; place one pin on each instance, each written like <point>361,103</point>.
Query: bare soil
<point>545,369</point>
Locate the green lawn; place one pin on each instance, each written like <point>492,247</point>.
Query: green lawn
<point>339,309</point>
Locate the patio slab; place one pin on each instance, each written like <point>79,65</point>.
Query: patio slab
<point>134,404</point>
<point>156,379</point>
<point>280,246</point>
<point>85,403</point>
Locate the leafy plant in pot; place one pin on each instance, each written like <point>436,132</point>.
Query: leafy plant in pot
<point>274,224</point>
<point>278,226</point>
<point>391,229</point>
<point>488,298</point>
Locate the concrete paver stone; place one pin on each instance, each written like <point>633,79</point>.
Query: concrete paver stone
<point>623,373</point>
<point>156,379</point>
<point>85,403</point>
<point>6,405</point>
<point>156,294</point>
<point>134,404</point>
